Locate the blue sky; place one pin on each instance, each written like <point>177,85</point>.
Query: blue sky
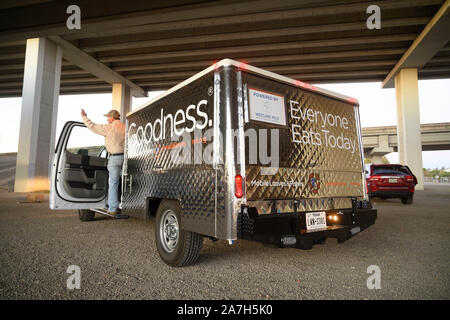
<point>377,108</point>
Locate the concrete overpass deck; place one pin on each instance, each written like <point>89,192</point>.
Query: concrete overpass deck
<point>379,141</point>
<point>156,44</point>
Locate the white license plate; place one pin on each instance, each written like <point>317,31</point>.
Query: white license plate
<point>316,220</point>
<point>392,180</point>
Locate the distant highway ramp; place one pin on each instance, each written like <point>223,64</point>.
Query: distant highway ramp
<point>7,170</point>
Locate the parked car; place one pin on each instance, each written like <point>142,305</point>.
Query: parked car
<point>391,181</point>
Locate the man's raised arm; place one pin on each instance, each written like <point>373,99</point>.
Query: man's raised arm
<point>100,129</point>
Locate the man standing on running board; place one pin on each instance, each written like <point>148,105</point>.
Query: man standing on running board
<point>114,133</point>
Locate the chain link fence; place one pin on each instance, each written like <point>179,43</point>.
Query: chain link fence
<point>437,179</point>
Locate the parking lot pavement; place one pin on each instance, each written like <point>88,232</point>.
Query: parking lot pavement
<point>118,258</point>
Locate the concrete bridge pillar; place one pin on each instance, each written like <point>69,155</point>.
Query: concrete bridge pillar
<point>376,159</point>
<point>121,99</point>
<point>40,95</point>
<point>376,154</point>
<point>408,122</point>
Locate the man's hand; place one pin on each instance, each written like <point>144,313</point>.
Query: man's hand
<point>83,114</point>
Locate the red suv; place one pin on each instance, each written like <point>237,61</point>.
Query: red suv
<point>391,181</point>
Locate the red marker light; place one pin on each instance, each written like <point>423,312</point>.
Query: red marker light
<point>243,66</point>
<point>305,85</point>
<point>352,100</point>
<point>238,186</point>
<point>310,87</point>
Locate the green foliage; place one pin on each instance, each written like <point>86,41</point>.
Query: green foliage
<point>435,172</point>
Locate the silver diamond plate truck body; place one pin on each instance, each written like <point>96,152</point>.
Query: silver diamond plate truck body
<point>190,143</point>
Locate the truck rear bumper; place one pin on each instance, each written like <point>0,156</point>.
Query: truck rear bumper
<point>289,229</point>
<point>391,194</point>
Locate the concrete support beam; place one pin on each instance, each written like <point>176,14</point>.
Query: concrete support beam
<point>408,122</point>
<point>375,159</point>
<point>39,113</point>
<point>126,14</point>
<point>125,43</point>
<point>430,41</point>
<point>376,154</point>
<point>240,16</point>
<point>249,49</point>
<point>121,99</point>
<point>383,146</point>
<point>93,66</point>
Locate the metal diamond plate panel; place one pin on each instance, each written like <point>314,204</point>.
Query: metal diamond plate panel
<point>159,166</point>
<point>319,155</point>
<point>287,206</point>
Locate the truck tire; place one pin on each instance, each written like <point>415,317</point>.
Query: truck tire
<point>407,200</point>
<point>176,247</point>
<point>86,215</point>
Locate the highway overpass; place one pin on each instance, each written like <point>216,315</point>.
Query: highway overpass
<point>379,141</point>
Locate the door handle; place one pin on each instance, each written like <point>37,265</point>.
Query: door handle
<point>131,183</point>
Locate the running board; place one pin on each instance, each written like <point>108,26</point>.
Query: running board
<point>105,213</point>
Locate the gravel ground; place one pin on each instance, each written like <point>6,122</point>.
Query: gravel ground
<point>118,258</point>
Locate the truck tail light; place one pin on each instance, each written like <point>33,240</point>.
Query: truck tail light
<point>374,178</point>
<point>409,178</point>
<point>238,186</point>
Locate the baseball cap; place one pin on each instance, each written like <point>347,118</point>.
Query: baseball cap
<point>113,113</point>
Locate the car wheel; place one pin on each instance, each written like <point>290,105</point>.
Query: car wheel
<point>86,215</point>
<point>407,200</point>
<point>176,247</point>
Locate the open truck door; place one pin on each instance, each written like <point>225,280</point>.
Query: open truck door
<point>79,174</point>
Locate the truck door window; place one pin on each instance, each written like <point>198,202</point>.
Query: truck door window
<point>103,153</point>
<point>83,141</point>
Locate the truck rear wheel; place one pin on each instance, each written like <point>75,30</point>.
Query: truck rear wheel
<point>176,247</point>
<point>86,215</point>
